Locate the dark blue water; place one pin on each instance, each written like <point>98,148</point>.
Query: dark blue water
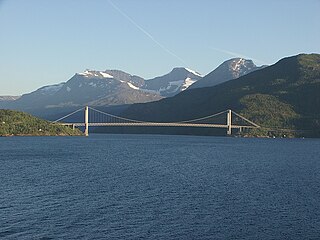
<point>159,187</point>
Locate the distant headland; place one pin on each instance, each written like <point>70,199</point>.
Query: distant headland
<point>15,123</point>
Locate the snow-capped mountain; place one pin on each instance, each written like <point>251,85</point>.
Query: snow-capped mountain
<point>103,88</point>
<point>110,87</point>
<point>228,70</point>
<point>114,74</point>
<point>178,80</point>
<point>115,87</point>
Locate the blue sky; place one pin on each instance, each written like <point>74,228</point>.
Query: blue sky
<point>46,42</point>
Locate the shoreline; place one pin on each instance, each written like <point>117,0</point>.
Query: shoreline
<point>33,135</point>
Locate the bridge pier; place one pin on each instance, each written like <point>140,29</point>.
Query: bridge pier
<point>86,121</point>
<point>229,124</point>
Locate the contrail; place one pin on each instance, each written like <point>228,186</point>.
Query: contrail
<point>234,54</point>
<point>145,32</point>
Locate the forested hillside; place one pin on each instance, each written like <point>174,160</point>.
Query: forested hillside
<point>283,95</point>
<point>19,123</point>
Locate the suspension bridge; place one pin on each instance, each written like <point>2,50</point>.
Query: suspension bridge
<point>98,118</point>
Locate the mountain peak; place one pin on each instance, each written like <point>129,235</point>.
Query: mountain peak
<point>92,73</point>
<point>183,70</point>
<point>228,70</point>
<point>172,83</point>
<point>241,66</point>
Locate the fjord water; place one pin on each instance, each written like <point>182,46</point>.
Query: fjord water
<point>159,187</point>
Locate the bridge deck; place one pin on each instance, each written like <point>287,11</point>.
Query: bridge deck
<point>156,124</point>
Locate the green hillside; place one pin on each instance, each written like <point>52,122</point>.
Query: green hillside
<point>284,95</point>
<point>20,123</point>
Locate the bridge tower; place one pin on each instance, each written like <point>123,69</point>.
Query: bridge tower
<point>229,124</point>
<point>86,121</point>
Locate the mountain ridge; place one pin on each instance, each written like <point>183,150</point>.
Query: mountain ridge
<point>168,85</point>
<point>97,88</point>
<point>289,82</point>
<point>109,87</point>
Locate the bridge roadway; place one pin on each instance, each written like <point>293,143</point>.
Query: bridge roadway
<point>156,124</point>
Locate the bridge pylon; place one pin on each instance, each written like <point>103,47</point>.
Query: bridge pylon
<point>86,121</point>
<point>229,122</point>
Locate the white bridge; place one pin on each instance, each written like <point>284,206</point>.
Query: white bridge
<point>99,119</point>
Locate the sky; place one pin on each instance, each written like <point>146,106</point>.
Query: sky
<point>46,42</point>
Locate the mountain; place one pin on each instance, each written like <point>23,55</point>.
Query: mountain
<point>95,88</point>
<point>8,98</point>
<point>103,88</point>
<point>20,123</point>
<point>178,80</point>
<point>228,70</point>
<point>283,95</point>
<point>6,101</point>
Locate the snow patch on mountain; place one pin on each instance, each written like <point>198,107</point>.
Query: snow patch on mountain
<point>237,64</point>
<point>132,86</point>
<point>86,73</point>
<point>99,74</point>
<point>187,83</point>
<point>106,75</point>
<point>193,72</point>
<point>241,66</point>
